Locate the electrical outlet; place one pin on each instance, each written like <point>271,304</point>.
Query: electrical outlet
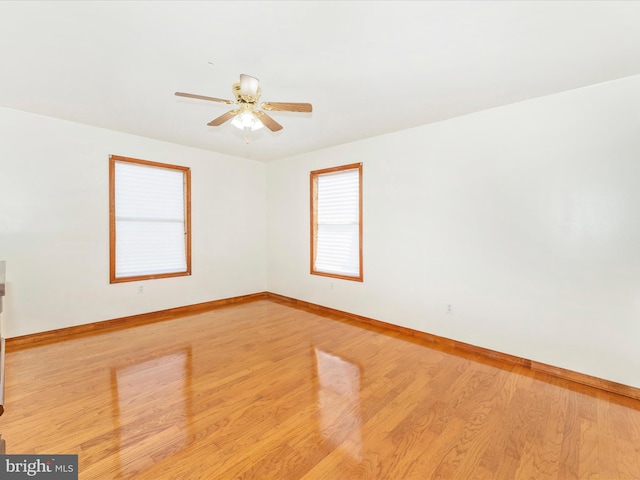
<point>449,309</point>
<point>140,289</point>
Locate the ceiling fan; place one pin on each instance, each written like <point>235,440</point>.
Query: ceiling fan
<point>249,115</point>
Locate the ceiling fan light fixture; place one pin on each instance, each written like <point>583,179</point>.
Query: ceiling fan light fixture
<point>247,120</point>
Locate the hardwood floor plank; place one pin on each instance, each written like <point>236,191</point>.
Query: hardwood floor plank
<point>264,390</point>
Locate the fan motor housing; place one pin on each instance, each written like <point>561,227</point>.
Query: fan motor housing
<point>245,98</point>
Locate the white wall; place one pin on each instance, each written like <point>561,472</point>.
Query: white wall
<point>54,225</point>
<point>524,218</point>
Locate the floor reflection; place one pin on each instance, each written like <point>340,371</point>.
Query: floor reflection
<point>339,402</point>
<point>152,410</point>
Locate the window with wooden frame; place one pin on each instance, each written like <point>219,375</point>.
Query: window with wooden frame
<point>336,222</point>
<point>149,220</point>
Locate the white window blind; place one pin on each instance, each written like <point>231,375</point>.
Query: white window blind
<point>337,242</point>
<point>150,225</point>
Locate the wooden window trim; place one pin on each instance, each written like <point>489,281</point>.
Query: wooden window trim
<point>112,219</point>
<point>313,193</point>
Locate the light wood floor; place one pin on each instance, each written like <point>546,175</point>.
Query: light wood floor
<point>263,391</point>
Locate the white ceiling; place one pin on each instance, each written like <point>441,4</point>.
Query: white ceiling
<point>368,67</point>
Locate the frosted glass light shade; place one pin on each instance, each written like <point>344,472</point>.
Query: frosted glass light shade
<point>247,120</point>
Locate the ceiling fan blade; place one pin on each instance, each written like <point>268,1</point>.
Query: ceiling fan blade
<point>223,118</point>
<point>268,122</point>
<point>287,106</point>
<point>202,97</point>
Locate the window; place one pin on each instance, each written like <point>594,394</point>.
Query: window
<point>149,220</point>
<point>336,222</point>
